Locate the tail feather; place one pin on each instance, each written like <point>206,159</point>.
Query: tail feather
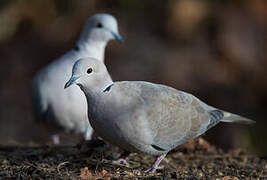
<point>233,118</point>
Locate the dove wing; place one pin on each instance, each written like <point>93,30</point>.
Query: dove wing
<point>174,116</point>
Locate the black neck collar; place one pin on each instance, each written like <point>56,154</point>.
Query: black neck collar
<point>108,88</point>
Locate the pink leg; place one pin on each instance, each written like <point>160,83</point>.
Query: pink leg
<point>55,139</point>
<point>122,159</point>
<point>155,165</point>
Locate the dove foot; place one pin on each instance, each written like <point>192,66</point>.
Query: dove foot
<point>55,139</point>
<point>122,159</point>
<point>155,165</point>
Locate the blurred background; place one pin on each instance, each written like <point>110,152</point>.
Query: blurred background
<point>215,49</point>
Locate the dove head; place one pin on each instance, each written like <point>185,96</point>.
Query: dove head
<point>90,74</point>
<point>100,28</point>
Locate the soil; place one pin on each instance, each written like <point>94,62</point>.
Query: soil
<point>93,160</point>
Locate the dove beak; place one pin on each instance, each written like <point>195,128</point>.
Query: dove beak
<point>71,81</point>
<point>117,36</point>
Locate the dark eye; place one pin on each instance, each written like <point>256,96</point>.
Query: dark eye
<point>99,25</point>
<point>90,70</point>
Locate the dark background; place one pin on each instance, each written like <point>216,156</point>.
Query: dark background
<point>215,49</point>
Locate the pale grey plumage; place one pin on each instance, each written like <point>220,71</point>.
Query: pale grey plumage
<point>141,116</point>
<point>68,108</point>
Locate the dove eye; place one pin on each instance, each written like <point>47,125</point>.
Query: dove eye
<point>99,25</point>
<point>90,70</point>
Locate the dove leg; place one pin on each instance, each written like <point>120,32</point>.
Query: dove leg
<point>155,165</point>
<point>122,159</point>
<point>55,139</point>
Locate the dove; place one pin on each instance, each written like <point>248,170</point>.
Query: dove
<point>67,109</point>
<point>143,117</point>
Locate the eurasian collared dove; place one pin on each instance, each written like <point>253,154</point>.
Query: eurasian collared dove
<point>141,116</point>
<point>68,108</point>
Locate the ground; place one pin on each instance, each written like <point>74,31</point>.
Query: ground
<point>195,160</point>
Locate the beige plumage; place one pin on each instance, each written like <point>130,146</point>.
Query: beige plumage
<point>143,117</point>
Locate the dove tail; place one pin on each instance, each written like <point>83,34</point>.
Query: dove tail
<point>233,118</point>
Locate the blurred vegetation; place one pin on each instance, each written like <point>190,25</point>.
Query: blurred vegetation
<point>215,49</point>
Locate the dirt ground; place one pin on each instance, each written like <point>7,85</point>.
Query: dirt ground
<point>193,161</point>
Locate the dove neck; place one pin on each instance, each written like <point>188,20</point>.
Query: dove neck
<point>92,92</point>
<point>93,96</point>
<point>95,49</point>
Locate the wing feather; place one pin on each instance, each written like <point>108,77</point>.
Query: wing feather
<point>174,116</point>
